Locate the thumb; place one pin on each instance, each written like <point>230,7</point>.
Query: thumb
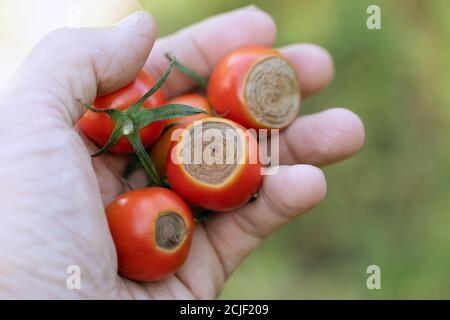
<point>69,65</point>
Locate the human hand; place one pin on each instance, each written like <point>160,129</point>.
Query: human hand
<point>53,193</point>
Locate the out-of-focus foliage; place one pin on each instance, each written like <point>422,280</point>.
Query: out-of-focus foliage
<point>390,205</point>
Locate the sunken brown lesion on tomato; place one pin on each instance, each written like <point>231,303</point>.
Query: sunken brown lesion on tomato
<point>271,92</point>
<point>213,172</point>
<point>170,230</point>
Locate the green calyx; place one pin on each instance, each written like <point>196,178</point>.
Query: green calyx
<point>130,121</point>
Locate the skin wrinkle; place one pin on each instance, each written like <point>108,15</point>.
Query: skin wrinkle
<point>231,249</point>
<point>309,146</point>
<point>213,249</point>
<point>122,74</point>
<point>245,226</point>
<point>49,97</point>
<point>279,209</point>
<point>200,51</point>
<point>108,179</point>
<point>228,271</point>
<point>66,115</point>
<point>170,290</point>
<point>124,290</point>
<point>290,152</point>
<point>57,97</point>
<point>74,64</point>
<point>202,253</point>
<point>194,295</point>
<point>160,289</point>
<point>35,134</point>
<point>174,289</point>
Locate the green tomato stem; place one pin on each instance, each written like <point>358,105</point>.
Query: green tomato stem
<point>200,80</point>
<point>144,158</point>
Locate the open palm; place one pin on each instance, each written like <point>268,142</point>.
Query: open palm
<point>53,193</point>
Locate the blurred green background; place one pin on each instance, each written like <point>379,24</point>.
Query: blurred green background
<point>390,205</point>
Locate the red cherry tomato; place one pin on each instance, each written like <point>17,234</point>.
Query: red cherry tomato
<point>152,231</point>
<point>228,172</point>
<point>256,87</point>
<point>99,126</point>
<point>158,151</point>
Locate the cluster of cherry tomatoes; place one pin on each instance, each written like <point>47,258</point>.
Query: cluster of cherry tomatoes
<point>152,228</point>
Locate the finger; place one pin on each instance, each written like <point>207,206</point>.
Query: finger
<point>71,64</point>
<point>322,138</point>
<point>109,171</point>
<point>202,272</point>
<point>235,234</point>
<point>201,276</point>
<point>202,45</point>
<point>314,66</point>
